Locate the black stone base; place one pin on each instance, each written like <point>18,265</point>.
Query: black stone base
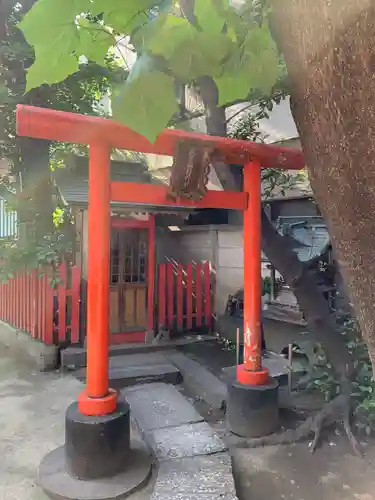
<point>252,410</point>
<point>58,484</point>
<point>97,447</point>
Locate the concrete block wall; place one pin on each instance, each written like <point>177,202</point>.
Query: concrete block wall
<point>222,246</point>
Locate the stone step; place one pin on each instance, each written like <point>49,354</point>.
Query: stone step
<point>199,381</point>
<point>73,358</point>
<point>155,406</point>
<point>136,369</point>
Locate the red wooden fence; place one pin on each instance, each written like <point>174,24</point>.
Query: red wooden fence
<point>184,297</point>
<point>29,302</point>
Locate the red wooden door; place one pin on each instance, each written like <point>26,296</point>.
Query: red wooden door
<point>128,282</point>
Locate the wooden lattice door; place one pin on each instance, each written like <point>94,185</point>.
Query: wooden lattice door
<point>128,291</point>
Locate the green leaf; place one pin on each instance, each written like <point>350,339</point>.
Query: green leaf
<point>124,16</point>
<point>256,69</point>
<point>261,58</point>
<point>51,20</point>
<point>203,55</point>
<point>50,27</point>
<point>233,86</point>
<point>94,43</point>
<point>146,103</point>
<point>208,16</point>
<point>173,33</point>
<point>142,38</point>
<point>50,68</point>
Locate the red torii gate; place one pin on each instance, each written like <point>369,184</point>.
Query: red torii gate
<point>101,135</point>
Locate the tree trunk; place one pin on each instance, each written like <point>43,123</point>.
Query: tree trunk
<point>230,176</point>
<point>37,187</point>
<point>330,53</point>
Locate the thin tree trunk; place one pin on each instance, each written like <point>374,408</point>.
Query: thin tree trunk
<point>36,177</point>
<point>330,54</point>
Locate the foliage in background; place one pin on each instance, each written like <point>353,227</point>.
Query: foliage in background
<point>80,92</point>
<point>363,387</point>
<point>267,286</point>
<point>274,181</point>
<point>178,42</point>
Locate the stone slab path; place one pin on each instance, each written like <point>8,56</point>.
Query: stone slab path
<point>194,463</point>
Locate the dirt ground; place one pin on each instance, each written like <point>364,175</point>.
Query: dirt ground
<point>292,472</point>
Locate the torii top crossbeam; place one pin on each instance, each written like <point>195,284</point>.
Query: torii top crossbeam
<point>80,129</point>
<point>102,135</point>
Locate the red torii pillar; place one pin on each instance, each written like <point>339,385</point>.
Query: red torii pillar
<point>98,398</point>
<point>97,427</point>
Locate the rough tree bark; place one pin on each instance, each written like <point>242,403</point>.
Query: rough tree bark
<point>330,54</point>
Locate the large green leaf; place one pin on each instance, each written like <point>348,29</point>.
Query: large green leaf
<point>124,16</point>
<point>255,66</point>
<point>172,32</point>
<point>208,16</point>
<point>146,103</point>
<point>50,68</point>
<point>94,42</point>
<point>204,55</point>
<point>233,86</point>
<point>50,20</point>
<point>261,57</point>
<point>50,28</point>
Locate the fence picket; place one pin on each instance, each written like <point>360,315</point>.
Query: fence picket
<point>27,302</point>
<point>189,296</point>
<point>198,295</point>
<point>75,304</point>
<point>207,294</point>
<point>162,322</point>
<point>170,297</point>
<point>62,304</point>
<point>180,296</point>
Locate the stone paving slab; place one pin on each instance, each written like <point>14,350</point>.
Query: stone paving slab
<point>187,440</point>
<point>199,478</point>
<point>200,381</point>
<point>155,406</point>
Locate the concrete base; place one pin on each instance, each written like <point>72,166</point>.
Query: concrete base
<point>252,410</point>
<point>22,347</point>
<point>97,447</point>
<point>58,484</point>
